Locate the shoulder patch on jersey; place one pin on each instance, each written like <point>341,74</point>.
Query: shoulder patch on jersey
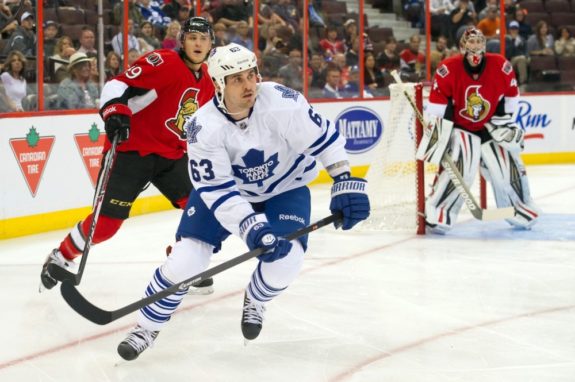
<point>507,67</point>
<point>154,59</point>
<point>192,130</point>
<point>442,71</point>
<point>287,92</point>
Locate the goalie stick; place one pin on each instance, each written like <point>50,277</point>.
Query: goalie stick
<point>455,176</point>
<point>62,274</point>
<point>102,317</point>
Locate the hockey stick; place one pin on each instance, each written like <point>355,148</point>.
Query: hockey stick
<point>62,274</point>
<point>455,176</point>
<point>102,317</point>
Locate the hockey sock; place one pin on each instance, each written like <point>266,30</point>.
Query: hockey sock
<point>106,227</point>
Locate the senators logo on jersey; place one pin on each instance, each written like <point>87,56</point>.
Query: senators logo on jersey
<point>187,107</point>
<point>476,107</point>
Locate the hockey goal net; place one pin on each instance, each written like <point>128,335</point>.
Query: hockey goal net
<point>396,180</point>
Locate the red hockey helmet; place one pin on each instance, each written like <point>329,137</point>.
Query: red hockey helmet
<point>472,44</point>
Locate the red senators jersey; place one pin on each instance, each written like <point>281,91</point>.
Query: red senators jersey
<point>162,93</point>
<point>474,101</point>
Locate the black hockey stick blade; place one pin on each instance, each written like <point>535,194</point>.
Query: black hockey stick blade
<point>102,317</point>
<point>62,274</point>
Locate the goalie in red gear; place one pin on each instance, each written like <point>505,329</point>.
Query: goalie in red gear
<point>146,106</point>
<point>478,92</point>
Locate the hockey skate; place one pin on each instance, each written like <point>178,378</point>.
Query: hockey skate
<point>138,340</point>
<point>55,257</point>
<point>204,287</point>
<point>252,318</point>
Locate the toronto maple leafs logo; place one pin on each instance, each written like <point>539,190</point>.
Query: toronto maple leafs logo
<point>287,92</point>
<point>257,168</point>
<point>192,130</point>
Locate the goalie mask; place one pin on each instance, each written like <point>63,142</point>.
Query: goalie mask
<point>227,60</point>
<point>472,45</point>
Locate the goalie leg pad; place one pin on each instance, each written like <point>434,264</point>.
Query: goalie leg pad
<point>444,203</point>
<point>505,171</point>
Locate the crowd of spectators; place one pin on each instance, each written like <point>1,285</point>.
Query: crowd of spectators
<point>333,67</point>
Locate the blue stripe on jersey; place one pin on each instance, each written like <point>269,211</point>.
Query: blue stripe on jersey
<point>332,139</point>
<point>288,172</point>
<point>229,184</point>
<point>322,138</point>
<point>222,199</point>
<point>250,193</point>
<point>310,167</point>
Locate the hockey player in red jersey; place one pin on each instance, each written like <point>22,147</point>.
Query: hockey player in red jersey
<point>478,92</point>
<point>147,107</point>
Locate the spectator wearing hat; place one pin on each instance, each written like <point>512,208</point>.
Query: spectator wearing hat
<point>23,38</point>
<point>50,40</point>
<point>13,80</point>
<point>349,32</point>
<point>78,91</point>
<point>516,51</point>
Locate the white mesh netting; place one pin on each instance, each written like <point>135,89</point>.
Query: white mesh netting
<point>392,177</point>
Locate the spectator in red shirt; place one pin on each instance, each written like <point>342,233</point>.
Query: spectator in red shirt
<point>331,45</point>
<point>411,60</point>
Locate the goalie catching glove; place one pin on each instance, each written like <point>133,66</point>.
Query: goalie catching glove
<point>257,233</point>
<point>116,118</point>
<point>506,133</point>
<point>349,195</point>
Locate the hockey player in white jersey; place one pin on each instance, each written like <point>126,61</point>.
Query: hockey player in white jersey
<point>252,152</point>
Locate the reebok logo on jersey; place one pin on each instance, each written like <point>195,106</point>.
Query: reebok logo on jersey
<point>294,218</point>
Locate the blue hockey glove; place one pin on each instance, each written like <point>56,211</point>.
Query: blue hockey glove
<point>116,118</point>
<point>257,233</point>
<point>349,196</point>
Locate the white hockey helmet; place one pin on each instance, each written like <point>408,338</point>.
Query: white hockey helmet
<point>227,60</point>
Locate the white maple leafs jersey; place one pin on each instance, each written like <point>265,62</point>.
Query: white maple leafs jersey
<point>232,163</point>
